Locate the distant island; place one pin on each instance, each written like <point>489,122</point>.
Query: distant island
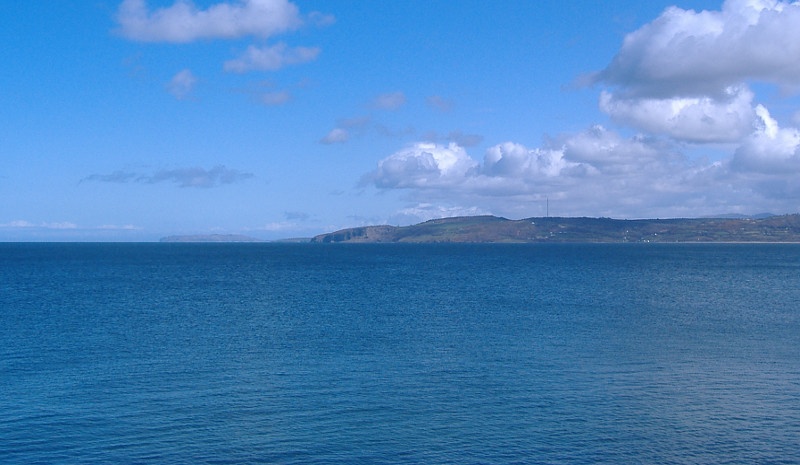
<point>492,229</point>
<point>210,238</point>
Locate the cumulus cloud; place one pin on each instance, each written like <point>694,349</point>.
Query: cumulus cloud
<point>685,75</point>
<point>771,149</point>
<point>184,22</point>
<point>512,160</point>
<point>390,101</point>
<point>182,84</point>
<point>596,172</point>
<point>606,152</point>
<point>270,58</point>
<point>702,119</point>
<point>687,53</point>
<point>424,165</point>
<point>702,143</point>
<point>183,177</point>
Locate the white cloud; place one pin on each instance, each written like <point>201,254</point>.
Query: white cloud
<point>685,79</point>
<point>184,22</point>
<point>771,149</point>
<point>684,74</point>
<point>607,153</point>
<point>23,224</point>
<point>18,224</point>
<point>424,165</point>
<point>511,160</point>
<point>693,119</point>
<point>182,84</point>
<point>689,53</point>
<point>336,136</point>
<point>390,101</point>
<point>270,58</point>
<point>596,172</point>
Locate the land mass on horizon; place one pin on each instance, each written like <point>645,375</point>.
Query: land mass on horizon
<point>210,238</point>
<point>492,229</point>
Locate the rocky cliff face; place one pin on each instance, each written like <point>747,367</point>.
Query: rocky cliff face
<point>362,234</point>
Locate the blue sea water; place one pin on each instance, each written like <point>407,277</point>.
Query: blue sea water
<point>382,354</point>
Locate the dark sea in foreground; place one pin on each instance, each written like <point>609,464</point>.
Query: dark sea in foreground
<point>379,354</point>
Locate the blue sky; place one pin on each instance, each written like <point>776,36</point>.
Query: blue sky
<point>131,120</point>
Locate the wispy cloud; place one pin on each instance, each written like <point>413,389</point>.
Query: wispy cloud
<point>336,136</point>
<point>321,19</point>
<point>439,103</point>
<point>270,58</point>
<point>390,101</point>
<point>183,177</point>
<point>182,84</point>
<point>23,224</point>
<point>459,137</point>
<point>272,99</point>
<point>346,128</point>
<point>115,227</point>
<point>296,216</point>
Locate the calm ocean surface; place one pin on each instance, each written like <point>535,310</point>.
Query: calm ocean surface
<point>362,354</point>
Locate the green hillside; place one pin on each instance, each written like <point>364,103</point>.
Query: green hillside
<point>785,228</point>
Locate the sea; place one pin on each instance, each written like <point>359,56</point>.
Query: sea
<point>280,353</point>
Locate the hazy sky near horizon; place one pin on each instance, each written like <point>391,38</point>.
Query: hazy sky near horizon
<point>134,119</point>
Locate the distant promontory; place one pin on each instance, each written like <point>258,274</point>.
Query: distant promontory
<point>492,229</point>
<point>210,238</point>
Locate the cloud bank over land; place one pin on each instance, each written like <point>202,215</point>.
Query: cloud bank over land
<point>682,84</point>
